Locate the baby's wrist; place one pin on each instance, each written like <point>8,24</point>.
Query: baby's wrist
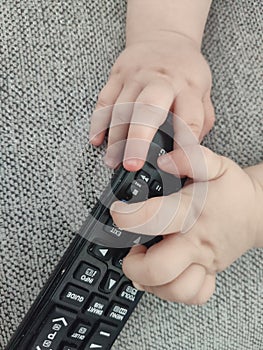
<point>148,17</point>
<point>171,37</point>
<point>256,175</point>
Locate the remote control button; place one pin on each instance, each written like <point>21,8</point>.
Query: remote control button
<point>117,312</point>
<point>156,188</point>
<point>68,347</point>
<point>97,306</point>
<point>110,281</point>
<point>53,330</point>
<point>87,274</point>
<point>142,175</point>
<point>138,190</point>
<point>96,345</point>
<point>117,262</point>
<point>74,296</point>
<point>120,254</point>
<point>128,292</point>
<point>111,228</point>
<point>80,332</point>
<point>155,151</point>
<point>103,253</point>
<point>103,337</point>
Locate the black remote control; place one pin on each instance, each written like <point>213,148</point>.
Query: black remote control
<point>87,300</point>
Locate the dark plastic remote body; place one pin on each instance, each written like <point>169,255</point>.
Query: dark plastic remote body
<point>87,300</point>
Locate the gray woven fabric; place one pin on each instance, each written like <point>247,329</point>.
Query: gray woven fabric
<point>55,58</point>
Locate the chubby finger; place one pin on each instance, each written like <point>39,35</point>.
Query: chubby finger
<point>101,116</point>
<point>119,126</point>
<point>182,289</point>
<point>209,115</point>
<point>150,111</point>
<point>189,108</point>
<point>161,263</point>
<point>155,216</point>
<point>206,291</point>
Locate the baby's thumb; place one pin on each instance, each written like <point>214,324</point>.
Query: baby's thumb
<point>194,161</point>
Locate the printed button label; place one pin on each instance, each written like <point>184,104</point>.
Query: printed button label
<point>87,274</point>
<point>117,312</point>
<point>74,295</point>
<point>97,306</point>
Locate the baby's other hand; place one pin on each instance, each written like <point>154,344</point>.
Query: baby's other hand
<point>206,226</point>
<point>160,75</point>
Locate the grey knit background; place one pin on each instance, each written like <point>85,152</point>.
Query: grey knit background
<point>54,59</point>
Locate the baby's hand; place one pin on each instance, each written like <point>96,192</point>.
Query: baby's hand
<point>159,75</point>
<point>228,222</point>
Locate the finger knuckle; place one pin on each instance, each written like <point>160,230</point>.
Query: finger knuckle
<point>146,108</point>
<point>118,115</point>
<point>103,99</point>
<point>211,120</point>
<point>196,128</point>
<point>153,277</point>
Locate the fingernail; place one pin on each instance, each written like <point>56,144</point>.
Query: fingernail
<point>94,140</point>
<point>138,286</point>
<point>133,164</point>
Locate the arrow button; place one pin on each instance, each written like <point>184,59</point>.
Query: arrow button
<point>54,328</point>
<point>61,319</point>
<point>110,281</point>
<point>137,240</point>
<point>102,253</point>
<point>143,176</point>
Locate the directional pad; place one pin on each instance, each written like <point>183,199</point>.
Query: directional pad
<point>100,252</point>
<point>110,281</point>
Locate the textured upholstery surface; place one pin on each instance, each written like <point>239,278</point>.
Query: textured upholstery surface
<point>55,57</point>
